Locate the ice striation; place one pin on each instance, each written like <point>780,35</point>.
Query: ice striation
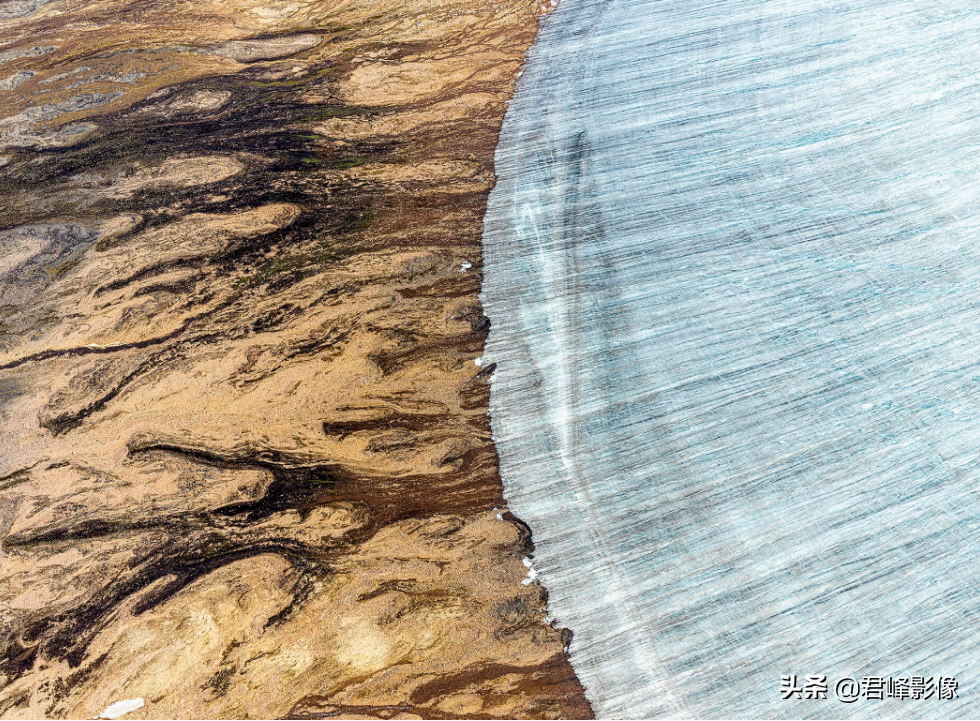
<point>732,263</point>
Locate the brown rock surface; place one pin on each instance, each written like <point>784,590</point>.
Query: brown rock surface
<point>245,459</point>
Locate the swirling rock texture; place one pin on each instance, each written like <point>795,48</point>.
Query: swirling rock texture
<point>245,458</point>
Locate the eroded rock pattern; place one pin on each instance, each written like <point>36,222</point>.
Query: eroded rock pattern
<point>245,458</point>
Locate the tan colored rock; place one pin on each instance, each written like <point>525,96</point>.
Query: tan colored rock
<point>248,51</point>
<point>173,172</point>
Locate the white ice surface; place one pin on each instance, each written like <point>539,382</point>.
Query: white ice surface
<point>732,263</point>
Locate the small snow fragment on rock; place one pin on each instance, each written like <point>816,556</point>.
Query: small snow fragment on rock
<point>531,573</point>
<point>478,362</point>
<point>121,708</point>
<point>500,516</point>
<point>465,266</point>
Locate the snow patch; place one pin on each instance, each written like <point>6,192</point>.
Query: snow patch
<point>121,708</point>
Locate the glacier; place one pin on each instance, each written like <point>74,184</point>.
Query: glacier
<point>732,266</point>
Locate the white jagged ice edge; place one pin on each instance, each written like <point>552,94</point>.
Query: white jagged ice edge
<point>531,573</point>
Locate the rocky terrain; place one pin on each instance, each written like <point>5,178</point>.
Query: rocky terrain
<point>245,458</point>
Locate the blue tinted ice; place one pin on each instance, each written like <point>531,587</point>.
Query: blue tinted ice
<point>733,271</point>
